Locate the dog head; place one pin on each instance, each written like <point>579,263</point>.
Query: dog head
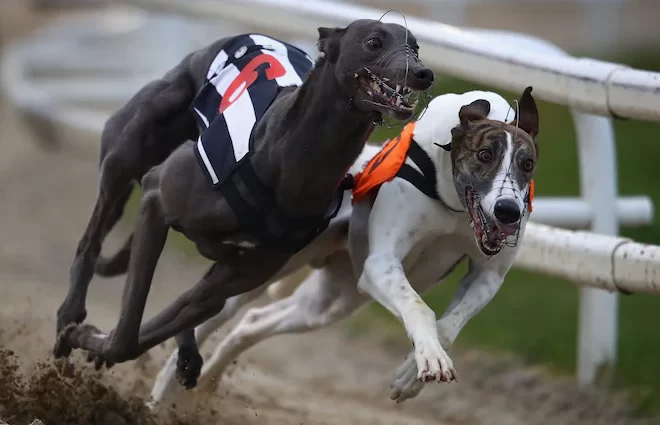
<point>377,64</point>
<point>493,163</point>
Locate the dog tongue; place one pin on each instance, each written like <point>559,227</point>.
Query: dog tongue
<point>507,229</point>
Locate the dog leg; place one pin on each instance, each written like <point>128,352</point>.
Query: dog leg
<point>384,278</point>
<point>163,389</point>
<point>127,152</point>
<point>115,189</point>
<point>189,361</point>
<point>117,264</point>
<point>122,344</point>
<point>476,290</point>
<point>287,285</point>
<point>206,299</point>
<point>327,295</point>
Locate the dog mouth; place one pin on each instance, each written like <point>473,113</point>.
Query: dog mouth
<point>383,94</point>
<point>490,235</point>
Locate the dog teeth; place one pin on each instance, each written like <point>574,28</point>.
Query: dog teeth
<point>375,87</point>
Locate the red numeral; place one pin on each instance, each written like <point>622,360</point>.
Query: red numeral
<point>249,75</point>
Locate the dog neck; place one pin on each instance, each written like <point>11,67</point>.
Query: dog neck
<point>445,178</point>
<point>318,135</point>
<point>427,134</point>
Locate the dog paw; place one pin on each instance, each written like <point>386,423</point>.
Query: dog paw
<point>67,317</point>
<point>62,347</point>
<point>405,384</point>
<point>87,337</point>
<point>188,366</point>
<point>433,363</point>
<point>99,358</point>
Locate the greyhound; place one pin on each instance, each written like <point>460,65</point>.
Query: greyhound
<point>457,184</point>
<point>260,184</point>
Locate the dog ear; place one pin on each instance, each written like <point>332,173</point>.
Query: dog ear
<point>329,42</point>
<point>529,114</point>
<point>475,111</point>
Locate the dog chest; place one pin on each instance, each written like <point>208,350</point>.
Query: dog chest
<point>431,260</point>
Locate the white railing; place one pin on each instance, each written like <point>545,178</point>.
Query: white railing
<point>589,85</point>
<point>591,259</point>
<point>501,59</point>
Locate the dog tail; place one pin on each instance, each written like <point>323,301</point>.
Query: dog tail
<point>117,264</point>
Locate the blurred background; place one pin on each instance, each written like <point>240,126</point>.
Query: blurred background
<point>533,316</point>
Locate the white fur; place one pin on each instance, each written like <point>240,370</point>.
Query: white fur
<point>409,242</point>
<point>503,185</point>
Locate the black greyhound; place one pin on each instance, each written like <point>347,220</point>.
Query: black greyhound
<point>271,196</point>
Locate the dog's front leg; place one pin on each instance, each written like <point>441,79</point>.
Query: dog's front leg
<point>245,272</point>
<point>476,290</point>
<point>189,361</point>
<point>392,233</point>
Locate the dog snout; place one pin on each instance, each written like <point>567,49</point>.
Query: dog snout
<point>423,77</point>
<point>506,211</point>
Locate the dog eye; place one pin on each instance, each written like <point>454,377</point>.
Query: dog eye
<point>374,43</point>
<point>485,155</point>
<point>528,165</point>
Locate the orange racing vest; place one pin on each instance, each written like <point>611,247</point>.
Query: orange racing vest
<point>385,165</point>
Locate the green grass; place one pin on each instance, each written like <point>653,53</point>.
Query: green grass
<point>536,316</point>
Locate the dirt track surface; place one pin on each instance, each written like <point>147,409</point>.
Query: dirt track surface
<point>322,378</point>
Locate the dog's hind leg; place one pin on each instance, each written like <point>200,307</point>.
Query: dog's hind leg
<point>238,274</point>
<point>288,284</point>
<point>117,264</point>
<point>163,389</point>
<point>327,295</point>
<point>131,143</point>
<point>148,243</point>
<point>115,189</point>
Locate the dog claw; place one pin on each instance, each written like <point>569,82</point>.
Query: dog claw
<point>434,364</point>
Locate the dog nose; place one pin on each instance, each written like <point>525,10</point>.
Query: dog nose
<point>507,211</point>
<point>424,75</point>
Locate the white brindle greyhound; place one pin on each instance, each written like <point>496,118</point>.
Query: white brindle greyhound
<point>457,184</point>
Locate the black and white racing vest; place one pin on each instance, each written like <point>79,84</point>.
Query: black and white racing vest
<point>242,82</point>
